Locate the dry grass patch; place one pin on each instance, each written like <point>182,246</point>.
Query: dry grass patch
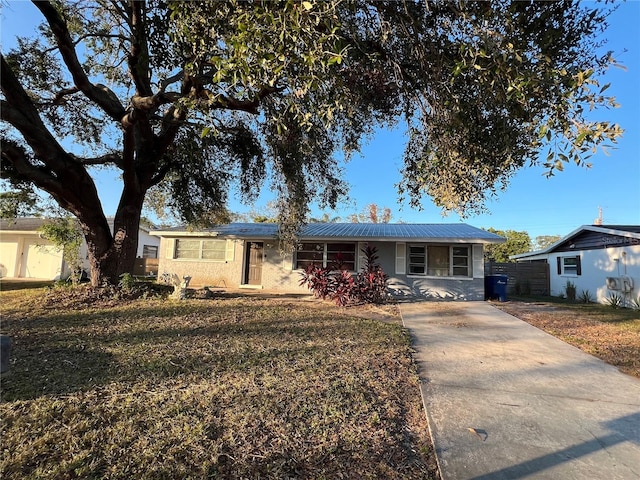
<point>612,335</point>
<point>223,388</point>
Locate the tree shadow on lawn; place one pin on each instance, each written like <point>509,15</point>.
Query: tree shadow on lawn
<point>52,370</point>
<point>49,359</point>
<point>60,371</point>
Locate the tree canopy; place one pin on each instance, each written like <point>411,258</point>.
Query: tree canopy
<point>543,241</point>
<point>517,242</point>
<point>190,101</point>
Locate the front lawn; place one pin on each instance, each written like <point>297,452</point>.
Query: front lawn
<point>610,334</point>
<point>222,388</point>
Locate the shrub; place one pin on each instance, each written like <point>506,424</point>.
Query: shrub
<point>615,300</point>
<point>368,286</point>
<point>127,282</point>
<point>318,279</point>
<point>585,296</point>
<point>570,289</point>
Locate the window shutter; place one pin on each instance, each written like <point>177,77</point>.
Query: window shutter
<point>478,262</point>
<point>229,251</point>
<point>361,257</point>
<point>401,258</point>
<point>578,266</point>
<point>170,247</point>
<point>287,262</point>
<point>559,259</point>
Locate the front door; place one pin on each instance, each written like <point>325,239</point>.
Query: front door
<point>253,262</point>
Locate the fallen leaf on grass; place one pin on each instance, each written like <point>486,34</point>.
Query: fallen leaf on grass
<point>481,434</point>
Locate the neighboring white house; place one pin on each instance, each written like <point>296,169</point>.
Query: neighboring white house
<point>422,260</point>
<point>600,259</point>
<point>25,254</point>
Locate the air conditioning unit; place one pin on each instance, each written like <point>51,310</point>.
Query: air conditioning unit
<point>627,284</point>
<point>614,283</point>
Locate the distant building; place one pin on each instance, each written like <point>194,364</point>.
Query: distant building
<point>25,254</point>
<point>601,259</point>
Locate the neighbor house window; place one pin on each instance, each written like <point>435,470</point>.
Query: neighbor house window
<point>201,249</point>
<point>326,254</point>
<point>569,265</point>
<point>439,260</point>
<point>149,251</point>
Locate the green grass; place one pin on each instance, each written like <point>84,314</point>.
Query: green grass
<point>225,388</point>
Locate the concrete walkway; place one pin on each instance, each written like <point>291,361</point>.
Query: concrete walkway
<point>506,400</point>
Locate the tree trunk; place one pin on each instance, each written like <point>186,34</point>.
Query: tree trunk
<point>112,254</point>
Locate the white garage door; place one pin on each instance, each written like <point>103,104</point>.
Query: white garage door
<point>42,261</point>
<point>8,258</point>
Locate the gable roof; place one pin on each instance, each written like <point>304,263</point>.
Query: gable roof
<point>425,232</point>
<point>625,231</point>
<point>23,225</point>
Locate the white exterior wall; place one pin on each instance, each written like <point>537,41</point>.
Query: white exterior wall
<point>29,256</point>
<point>596,266</point>
<point>145,239</point>
<point>9,247</point>
<point>21,258</point>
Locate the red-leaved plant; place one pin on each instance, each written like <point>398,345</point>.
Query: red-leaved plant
<point>339,285</point>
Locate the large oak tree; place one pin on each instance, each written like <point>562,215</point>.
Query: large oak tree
<point>187,99</point>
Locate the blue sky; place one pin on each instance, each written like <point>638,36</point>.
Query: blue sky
<point>533,203</point>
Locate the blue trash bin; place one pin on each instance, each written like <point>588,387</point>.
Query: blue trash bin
<point>495,286</point>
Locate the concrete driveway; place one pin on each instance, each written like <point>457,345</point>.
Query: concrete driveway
<point>506,400</point>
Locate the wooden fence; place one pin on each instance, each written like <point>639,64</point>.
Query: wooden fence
<point>146,267</point>
<point>524,278</point>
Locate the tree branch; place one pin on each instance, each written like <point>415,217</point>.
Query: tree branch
<point>57,99</point>
<point>109,158</point>
<point>151,103</point>
<point>18,158</point>
<point>90,35</point>
<point>249,106</point>
<point>106,100</point>
<point>139,57</point>
<point>19,111</point>
<point>170,80</point>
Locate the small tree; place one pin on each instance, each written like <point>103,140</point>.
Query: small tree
<point>372,214</point>
<point>66,235</point>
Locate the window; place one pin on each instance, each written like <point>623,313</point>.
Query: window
<point>149,251</point>
<point>342,254</point>
<point>460,261</point>
<point>326,254</point>
<point>417,259</point>
<point>187,249</point>
<point>439,260</point>
<point>569,265</point>
<point>213,250</point>
<point>201,249</point>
